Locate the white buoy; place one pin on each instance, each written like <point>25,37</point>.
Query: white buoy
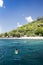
<point>16,51</point>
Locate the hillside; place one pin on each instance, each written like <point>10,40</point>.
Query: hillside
<point>34,28</point>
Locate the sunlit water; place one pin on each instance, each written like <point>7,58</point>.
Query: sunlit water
<point>30,52</point>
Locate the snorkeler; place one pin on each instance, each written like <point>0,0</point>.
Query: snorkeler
<point>16,51</point>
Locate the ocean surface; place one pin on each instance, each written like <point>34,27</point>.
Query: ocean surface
<point>30,52</point>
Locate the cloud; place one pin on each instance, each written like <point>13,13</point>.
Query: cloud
<point>1,3</point>
<point>29,19</point>
<point>18,24</point>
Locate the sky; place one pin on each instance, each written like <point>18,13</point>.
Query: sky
<point>15,13</point>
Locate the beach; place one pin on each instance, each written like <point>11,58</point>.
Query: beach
<point>22,37</point>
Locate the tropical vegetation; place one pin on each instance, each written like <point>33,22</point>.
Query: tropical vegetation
<point>34,28</point>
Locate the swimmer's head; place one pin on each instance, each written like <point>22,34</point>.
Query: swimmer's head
<point>16,49</point>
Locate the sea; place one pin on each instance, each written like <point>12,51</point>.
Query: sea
<point>30,52</point>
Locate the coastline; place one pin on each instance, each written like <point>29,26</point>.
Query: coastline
<point>22,38</point>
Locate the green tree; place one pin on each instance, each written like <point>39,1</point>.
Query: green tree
<point>5,34</point>
<point>13,34</point>
<point>17,34</point>
<point>1,34</point>
<point>39,31</point>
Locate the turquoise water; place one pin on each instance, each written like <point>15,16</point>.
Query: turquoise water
<point>30,52</point>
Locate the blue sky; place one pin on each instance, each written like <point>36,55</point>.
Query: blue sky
<point>14,13</point>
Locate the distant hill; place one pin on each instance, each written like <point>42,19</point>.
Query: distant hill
<point>34,28</point>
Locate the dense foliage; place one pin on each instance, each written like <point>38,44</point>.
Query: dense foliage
<point>34,28</point>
